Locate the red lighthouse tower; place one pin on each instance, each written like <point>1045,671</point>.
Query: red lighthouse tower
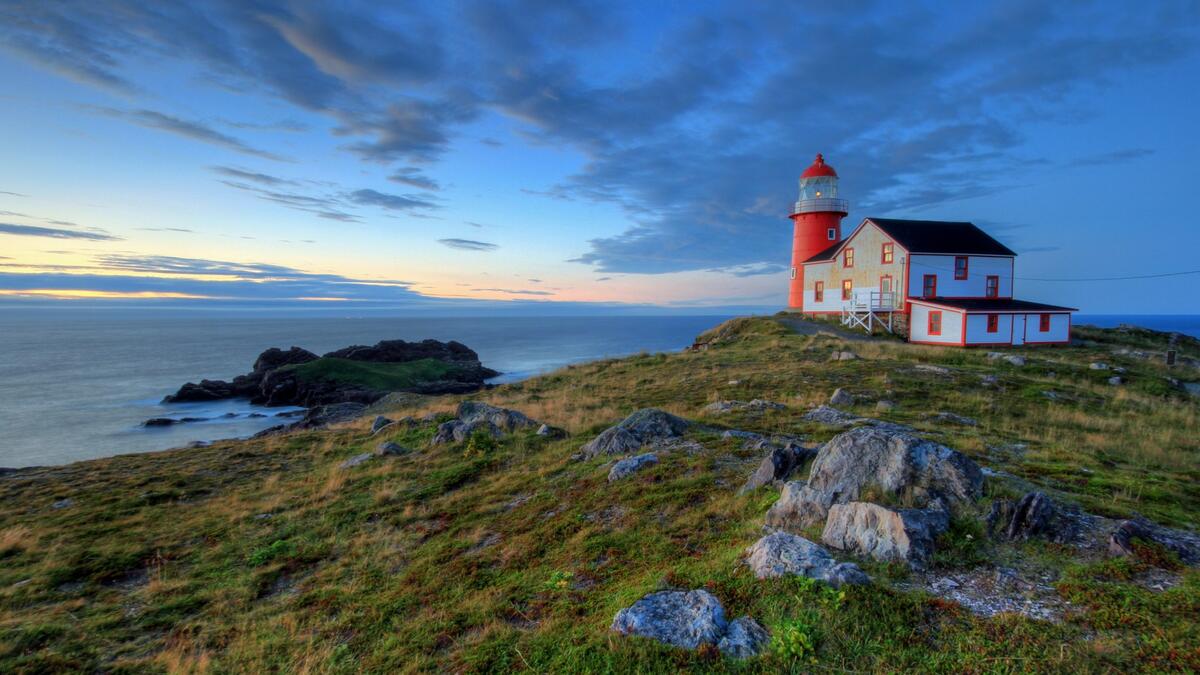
<point>818,222</point>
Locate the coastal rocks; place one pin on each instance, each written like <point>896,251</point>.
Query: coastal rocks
<point>169,421</point>
<point>952,418</point>
<point>780,554</point>
<point>888,463</point>
<point>547,431</point>
<point>755,406</point>
<point>778,465</point>
<point>1123,540</point>
<point>276,381</point>
<point>888,535</point>
<point>648,426</point>
<point>476,417</point>
<point>1033,515</point>
<point>831,417</point>
<point>631,465</point>
<point>689,619</point>
<point>390,449</point>
<point>318,417</point>
<point>841,397</point>
<point>457,431</point>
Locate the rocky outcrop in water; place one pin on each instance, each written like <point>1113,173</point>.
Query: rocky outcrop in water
<point>275,382</point>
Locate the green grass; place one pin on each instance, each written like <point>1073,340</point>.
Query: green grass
<point>263,555</point>
<point>377,376</point>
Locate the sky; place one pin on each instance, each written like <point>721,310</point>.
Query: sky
<point>576,156</point>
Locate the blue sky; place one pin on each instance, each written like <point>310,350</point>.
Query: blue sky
<point>566,156</point>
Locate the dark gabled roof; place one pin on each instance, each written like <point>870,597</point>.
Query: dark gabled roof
<point>993,305</point>
<point>928,236</point>
<point>938,236</point>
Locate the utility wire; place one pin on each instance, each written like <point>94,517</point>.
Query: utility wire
<point>1126,278</point>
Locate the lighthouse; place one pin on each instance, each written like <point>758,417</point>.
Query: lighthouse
<point>817,222</point>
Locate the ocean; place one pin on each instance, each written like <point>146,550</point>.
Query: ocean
<point>79,385</point>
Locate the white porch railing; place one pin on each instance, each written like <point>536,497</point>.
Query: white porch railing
<point>866,308</point>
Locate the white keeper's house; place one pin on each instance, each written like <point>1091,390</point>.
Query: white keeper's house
<point>939,282</point>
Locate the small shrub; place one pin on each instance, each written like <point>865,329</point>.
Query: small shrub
<point>795,641</point>
<point>480,444</point>
<point>265,554</point>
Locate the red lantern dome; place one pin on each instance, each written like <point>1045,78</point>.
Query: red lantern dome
<point>819,168</point>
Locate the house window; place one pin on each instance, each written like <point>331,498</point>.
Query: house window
<point>929,287</point>
<point>1044,323</point>
<point>793,272</point>
<point>831,234</point>
<point>848,258</point>
<point>935,323</point>
<point>960,267</point>
<point>993,323</point>
<point>993,287</point>
<point>819,291</point>
<point>847,289</point>
<point>887,255</point>
<point>885,283</point>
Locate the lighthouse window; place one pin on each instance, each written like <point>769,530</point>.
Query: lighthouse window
<point>886,258</point>
<point>847,289</point>
<point>848,258</point>
<point>960,267</point>
<point>793,272</point>
<point>993,287</point>
<point>831,234</point>
<point>935,323</point>
<point>819,291</point>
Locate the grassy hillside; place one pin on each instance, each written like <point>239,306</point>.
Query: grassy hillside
<point>377,376</point>
<point>265,555</point>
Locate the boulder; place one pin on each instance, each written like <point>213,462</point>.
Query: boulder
<point>547,431</point>
<point>689,619</point>
<point>1183,544</point>
<point>891,463</point>
<point>842,356</point>
<point>648,426</point>
<point>952,418</point>
<point>630,465</point>
<point>1017,361</point>
<point>884,405</point>
<point>900,535</point>
<point>325,415</point>
<point>390,449</point>
<point>755,406</point>
<point>379,423</point>
<point>356,460</point>
<point>831,417</point>
<point>1098,365</point>
<point>503,418</point>
<point>1033,515</point>
<point>841,397</point>
<point>1116,380</point>
<point>458,431</point>
<point>778,465</point>
<point>779,554</point>
<point>929,368</point>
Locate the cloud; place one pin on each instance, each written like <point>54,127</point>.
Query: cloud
<point>413,177</point>
<point>282,125</point>
<point>389,201</point>
<point>254,176</point>
<point>1114,157</point>
<point>511,291</point>
<point>12,194</point>
<point>327,207</point>
<point>166,229</point>
<point>194,130</point>
<point>56,233</point>
<point>468,244</point>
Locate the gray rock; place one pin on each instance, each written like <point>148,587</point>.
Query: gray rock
<point>781,554</point>
<point>902,535</point>
<point>930,368</point>
<point>989,380</point>
<point>1098,365</point>
<point>757,405</point>
<point>631,465</point>
<point>952,418</point>
<point>1116,380</point>
<point>884,405</point>
<point>644,427</point>
<point>841,397</point>
<point>457,431</point>
<point>356,460</point>
<point>547,431</point>
<point>778,465</point>
<point>471,412</point>
<point>684,619</point>
<point>831,417</point>
<point>1017,361</point>
<point>390,449</point>
<point>1184,544</point>
<point>895,463</point>
<point>1033,515</point>
<point>63,503</point>
<point>379,423</point>
<point>842,356</point>
<point>743,638</point>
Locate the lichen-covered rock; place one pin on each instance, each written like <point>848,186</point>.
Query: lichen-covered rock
<point>644,427</point>
<point>757,405</point>
<point>1033,515</point>
<point>743,638</point>
<point>502,418</point>
<point>843,356</point>
<point>457,431</point>
<point>356,460</point>
<point>690,619</point>
<point>892,463</point>
<point>841,397</point>
<point>547,431</point>
<point>952,418</point>
<point>631,465</point>
<point>1184,544</point>
<point>390,449</point>
<point>831,417</point>
<point>379,424</point>
<point>903,535</point>
<point>781,554</point>
<point>778,465</point>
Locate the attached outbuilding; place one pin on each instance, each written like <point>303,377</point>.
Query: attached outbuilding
<point>970,322</point>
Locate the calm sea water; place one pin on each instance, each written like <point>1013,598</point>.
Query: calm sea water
<point>79,386</point>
